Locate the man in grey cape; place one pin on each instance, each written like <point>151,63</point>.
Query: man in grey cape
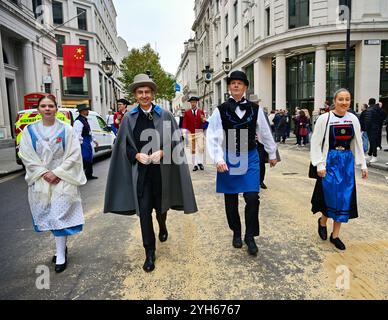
<point>148,168</point>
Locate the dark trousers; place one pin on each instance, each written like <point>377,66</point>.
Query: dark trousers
<point>379,137</point>
<point>88,168</point>
<point>252,201</point>
<point>373,141</point>
<point>149,199</point>
<point>262,155</point>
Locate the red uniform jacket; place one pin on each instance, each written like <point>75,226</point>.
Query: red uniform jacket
<point>192,123</point>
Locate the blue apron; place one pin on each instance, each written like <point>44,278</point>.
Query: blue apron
<point>338,185</point>
<point>87,150</point>
<point>243,175</point>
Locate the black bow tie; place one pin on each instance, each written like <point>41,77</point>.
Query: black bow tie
<point>241,104</point>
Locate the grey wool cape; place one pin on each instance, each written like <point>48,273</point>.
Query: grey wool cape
<point>121,188</point>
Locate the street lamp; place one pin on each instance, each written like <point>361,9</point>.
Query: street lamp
<point>109,67</point>
<point>227,67</point>
<point>208,75</point>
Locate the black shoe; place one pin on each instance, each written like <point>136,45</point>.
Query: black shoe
<point>163,233</point>
<point>149,263</point>
<point>201,166</point>
<point>237,242</point>
<point>91,178</point>
<point>195,168</point>
<point>263,186</point>
<point>337,242</point>
<point>54,259</point>
<point>252,247</point>
<point>322,231</point>
<point>61,267</point>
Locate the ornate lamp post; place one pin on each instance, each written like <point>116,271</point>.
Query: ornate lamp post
<point>109,67</point>
<point>227,67</point>
<point>208,75</point>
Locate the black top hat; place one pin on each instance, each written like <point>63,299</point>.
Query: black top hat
<point>193,99</point>
<point>81,107</point>
<point>238,75</point>
<point>123,101</point>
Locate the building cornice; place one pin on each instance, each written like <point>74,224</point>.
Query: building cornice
<point>202,11</point>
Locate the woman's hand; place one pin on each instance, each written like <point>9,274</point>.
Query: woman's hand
<point>273,163</point>
<point>143,158</point>
<point>364,173</point>
<point>322,173</point>
<point>222,167</point>
<point>51,178</point>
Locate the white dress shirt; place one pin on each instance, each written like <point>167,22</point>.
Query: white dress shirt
<point>78,127</point>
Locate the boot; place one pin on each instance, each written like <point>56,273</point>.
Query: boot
<point>163,233</point>
<point>149,263</point>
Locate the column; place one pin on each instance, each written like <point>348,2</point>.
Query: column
<point>263,70</point>
<point>320,77</point>
<point>30,84</point>
<point>367,75</point>
<point>4,122</point>
<point>281,92</point>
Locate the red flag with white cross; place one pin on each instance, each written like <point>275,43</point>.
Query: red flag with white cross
<point>73,60</point>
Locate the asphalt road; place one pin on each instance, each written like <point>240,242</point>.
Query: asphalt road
<point>198,261</point>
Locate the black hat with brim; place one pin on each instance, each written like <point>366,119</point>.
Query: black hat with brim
<point>82,107</point>
<point>238,75</point>
<point>193,99</point>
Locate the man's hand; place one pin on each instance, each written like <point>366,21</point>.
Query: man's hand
<point>157,156</point>
<point>143,158</point>
<point>222,167</point>
<point>51,178</point>
<point>364,173</point>
<point>273,163</point>
<point>322,173</point>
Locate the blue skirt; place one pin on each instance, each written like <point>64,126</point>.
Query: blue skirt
<point>64,232</point>
<point>87,149</point>
<point>243,175</point>
<point>335,195</point>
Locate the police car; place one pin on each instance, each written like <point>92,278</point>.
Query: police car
<point>103,134</point>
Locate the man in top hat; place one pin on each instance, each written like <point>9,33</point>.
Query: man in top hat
<point>231,142</point>
<point>147,160</point>
<point>122,105</point>
<point>193,121</point>
<point>85,137</point>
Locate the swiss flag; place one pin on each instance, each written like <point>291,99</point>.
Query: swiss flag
<point>73,60</point>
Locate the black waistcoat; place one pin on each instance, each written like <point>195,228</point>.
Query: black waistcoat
<point>233,126</point>
<point>86,129</point>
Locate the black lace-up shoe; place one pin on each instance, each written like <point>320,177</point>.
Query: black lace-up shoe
<point>237,242</point>
<point>322,231</point>
<point>149,263</point>
<point>252,247</point>
<point>337,242</point>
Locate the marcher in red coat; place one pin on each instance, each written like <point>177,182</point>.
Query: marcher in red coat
<point>193,122</point>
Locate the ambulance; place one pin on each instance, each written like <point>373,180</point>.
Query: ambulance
<point>103,134</point>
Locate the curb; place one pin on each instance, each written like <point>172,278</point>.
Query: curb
<point>7,173</point>
<point>379,166</point>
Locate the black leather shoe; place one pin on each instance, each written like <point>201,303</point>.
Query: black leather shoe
<point>163,235</point>
<point>195,168</point>
<point>322,231</point>
<point>263,186</point>
<point>337,242</point>
<point>237,242</point>
<point>61,267</point>
<point>149,263</point>
<point>252,247</point>
<point>54,259</point>
<point>201,166</point>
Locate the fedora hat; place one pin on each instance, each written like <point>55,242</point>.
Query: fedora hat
<point>81,107</point>
<point>193,99</point>
<point>142,80</point>
<point>238,75</point>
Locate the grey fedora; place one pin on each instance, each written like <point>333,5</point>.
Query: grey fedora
<point>142,80</point>
<point>81,107</point>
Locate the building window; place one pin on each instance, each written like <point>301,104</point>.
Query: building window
<point>247,36</point>
<point>235,10</point>
<point>301,81</point>
<point>86,44</point>
<point>384,74</point>
<point>82,21</point>
<point>226,25</point>
<point>57,12</point>
<point>227,52</point>
<point>251,78</point>
<point>236,48</point>
<point>217,6</point>
<point>101,87</point>
<point>60,41</point>
<point>47,87</point>
<point>37,9</point>
<point>76,86</point>
<point>298,13</point>
<point>336,72</point>
<point>268,21</point>
<point>219,93</point>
